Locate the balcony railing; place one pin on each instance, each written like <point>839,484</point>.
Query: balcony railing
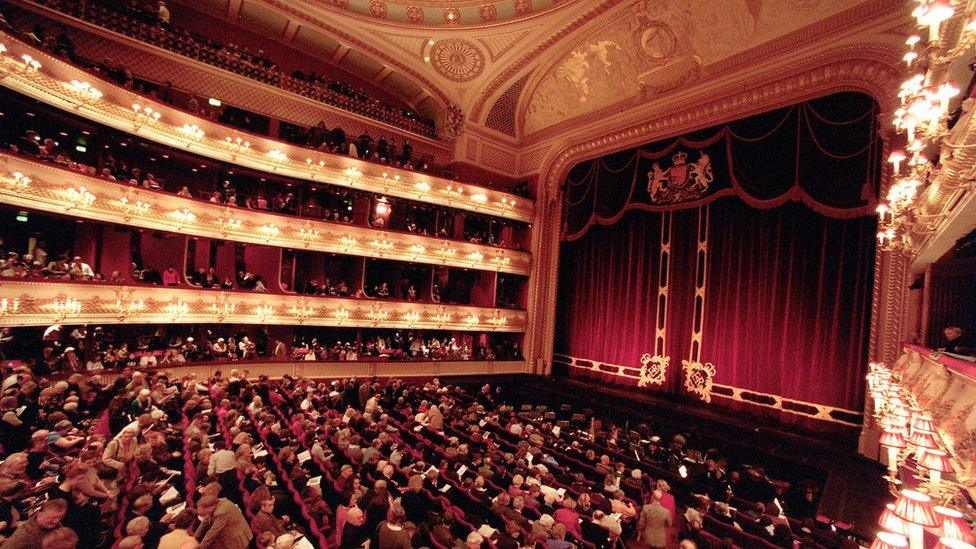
<point>26,303</point>
<point>30,184</point>
<point>50,80</point>
<point>187,45</point>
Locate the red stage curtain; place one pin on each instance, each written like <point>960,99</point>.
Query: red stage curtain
<point>788,301</point>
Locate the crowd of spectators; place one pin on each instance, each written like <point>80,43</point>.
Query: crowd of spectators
<point>148,21</point>
<point>150,459</point>
<point>78,349</point>
<point>239,191</point>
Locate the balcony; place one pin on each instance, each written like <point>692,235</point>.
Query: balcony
<point>27,303</point>
<point>34,185</point>
<point>51,81</point>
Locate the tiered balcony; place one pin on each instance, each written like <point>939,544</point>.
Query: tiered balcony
<point>30,303</point>
<point>50,81</point>
<point>30,184</point>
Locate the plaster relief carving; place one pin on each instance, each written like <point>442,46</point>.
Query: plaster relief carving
<point>612,65</point>
<point>658,46</point>
<point>456,59</point>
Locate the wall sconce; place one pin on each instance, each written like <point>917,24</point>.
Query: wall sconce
<point>17,182</point>
<point>229,224</point>
<point>192,131</point>
<point>9,306</point>
<point>80,197</point>
<point>126,308</point>
<point>341,314</point>
<point>177,310</point>
<point>479,198</point>
<point>65,307</point>
<point>382,245</point>
<point>352,174</point>
<point>497,320</point>
<point>501,261</point>
<point>476,256</point>
<point>301,311</point>
<point>446,251</point>
<point>184,216</point>
<point>418,249</point>
<point>506,203</point>
<point>143,115</point>
<point>30,64</point>
<point>237,146</point>
<point>471,320</point>
<point>133,208</point>
<point>347,242</point>
<point>377,315</point>
<point>269,230</point>
<point>308,234</point>
<point>423,187</point>
<point>264,312</point>
<point>277,157</point>
<point>85,90</point>
<point>222,309</point>
<point>412,317</point>
<point>442,318</point>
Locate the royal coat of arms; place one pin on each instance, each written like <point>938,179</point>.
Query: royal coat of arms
<point>653,370</point>
<point>682,181</point>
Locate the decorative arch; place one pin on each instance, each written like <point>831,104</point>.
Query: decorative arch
<point>872,69</point>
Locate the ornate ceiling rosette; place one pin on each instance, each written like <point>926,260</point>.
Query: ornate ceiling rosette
<point>488,13</point>
<point>457,59</point>
<point>415,15</point>
<point>377,8</point>
<point>452,16</point>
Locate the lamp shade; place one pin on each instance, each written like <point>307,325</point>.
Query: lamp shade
<point>935,460</point>
<point>923,423</point>
<point>916,508</point>
<point>890,521</point>
<point>949,543</point>
<point>889,540</point>
<point>923,439</point>
<point>953,525</point>
<point>892,438</point>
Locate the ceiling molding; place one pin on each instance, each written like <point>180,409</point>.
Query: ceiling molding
<point>874,71</point>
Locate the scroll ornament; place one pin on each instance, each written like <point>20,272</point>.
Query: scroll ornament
<point>698,378</point>
<point>653,369</point>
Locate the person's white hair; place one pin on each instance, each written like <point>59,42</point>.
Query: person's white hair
<point>636,473</point>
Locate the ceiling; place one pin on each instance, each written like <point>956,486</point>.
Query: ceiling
<point>521,69</point>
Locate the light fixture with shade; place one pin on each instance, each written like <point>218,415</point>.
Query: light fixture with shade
<point>889,540</point>
<point>953,526</point>
<point>890,521</point>
<point>949,543</point>
<point>923,422</point>
<point>893,440</point>
<point>937,462</point>
<point>916,509</point>
<point>922,440</point>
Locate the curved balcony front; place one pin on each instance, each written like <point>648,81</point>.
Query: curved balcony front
<point>28,303</point>
<point>50,81</point>
<point>29,184</point>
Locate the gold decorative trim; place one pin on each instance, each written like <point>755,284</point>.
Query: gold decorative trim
<point>698,378</point>
<point>45,303</point>
<point>824,412</point>
<point>115,109</point>
<point>61,191</point>
<point>654,370</point>
<point>341,370</point>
